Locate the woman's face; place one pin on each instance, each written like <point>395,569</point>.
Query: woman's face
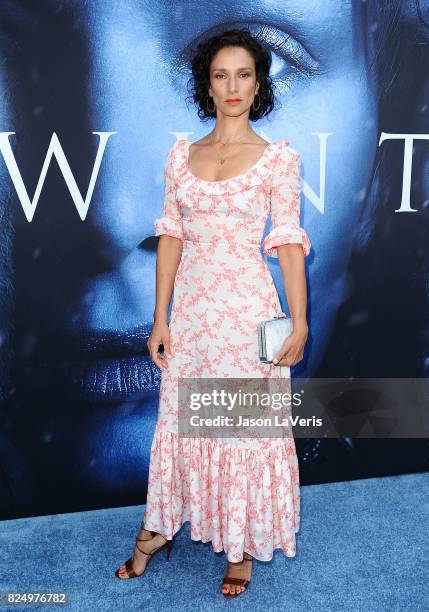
<point>90,285</point>
<point>232,75</point>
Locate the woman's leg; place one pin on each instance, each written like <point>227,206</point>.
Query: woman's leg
<point>147,543</point>
<point>241,570</point>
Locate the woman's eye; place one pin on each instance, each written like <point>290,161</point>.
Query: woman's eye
<point>291,60</point>
<point>242,74</point>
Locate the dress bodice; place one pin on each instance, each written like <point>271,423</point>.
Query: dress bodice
<point>234,210</point>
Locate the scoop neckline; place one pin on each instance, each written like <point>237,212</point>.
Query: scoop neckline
<point>233,178</point>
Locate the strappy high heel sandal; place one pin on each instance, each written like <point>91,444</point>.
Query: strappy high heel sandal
<point>129,565</point>
<point>238,581</point>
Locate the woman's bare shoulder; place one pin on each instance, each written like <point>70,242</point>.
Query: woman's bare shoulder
<point>202,142</point>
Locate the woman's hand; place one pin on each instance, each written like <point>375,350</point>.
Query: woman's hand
<point>292,349</point>
<point>160,334</point>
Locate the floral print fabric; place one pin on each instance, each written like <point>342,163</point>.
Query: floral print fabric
<point>240,494</point>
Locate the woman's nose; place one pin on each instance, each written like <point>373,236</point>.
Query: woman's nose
<point>128,193</point>
<point>232,86</point>
<point>129,186</point>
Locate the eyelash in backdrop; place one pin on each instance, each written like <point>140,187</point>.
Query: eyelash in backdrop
<point>284,47</point>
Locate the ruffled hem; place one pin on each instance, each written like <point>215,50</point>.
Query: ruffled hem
<point>168,225</point>
<point>256,175</point>
<point>285,234</point>
<point>239,499</point>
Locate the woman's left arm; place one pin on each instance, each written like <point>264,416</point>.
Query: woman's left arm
<point>289,242</point>
<point>291,259</point>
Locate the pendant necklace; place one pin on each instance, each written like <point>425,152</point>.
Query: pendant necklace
<point>221,160</point>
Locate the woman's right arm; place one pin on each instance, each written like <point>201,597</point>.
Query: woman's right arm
<point>170,230</point>
<point>168,258</point>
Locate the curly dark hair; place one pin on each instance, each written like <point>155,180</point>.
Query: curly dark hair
<point>201,60</point>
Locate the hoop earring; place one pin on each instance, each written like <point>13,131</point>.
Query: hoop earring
<point>253,103</point>
<point>214,105</point>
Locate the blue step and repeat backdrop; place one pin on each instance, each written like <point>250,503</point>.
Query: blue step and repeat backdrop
<point>92,96</point>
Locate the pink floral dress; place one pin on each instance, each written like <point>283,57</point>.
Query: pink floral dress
<point>242,494</point>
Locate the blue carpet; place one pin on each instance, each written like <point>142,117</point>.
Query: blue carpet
<point>363,545</point>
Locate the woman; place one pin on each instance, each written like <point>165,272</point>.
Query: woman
<point>218,194</point>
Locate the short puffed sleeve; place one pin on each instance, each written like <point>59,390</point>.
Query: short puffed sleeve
<point>171,221</point>
<point>285,203</point>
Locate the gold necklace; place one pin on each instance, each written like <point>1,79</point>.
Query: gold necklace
<point>221,160</point>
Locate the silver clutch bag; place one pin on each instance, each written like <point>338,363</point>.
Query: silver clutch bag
<point>271,335</point>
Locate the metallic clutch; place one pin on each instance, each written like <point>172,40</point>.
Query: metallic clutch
<point>271,335</point>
